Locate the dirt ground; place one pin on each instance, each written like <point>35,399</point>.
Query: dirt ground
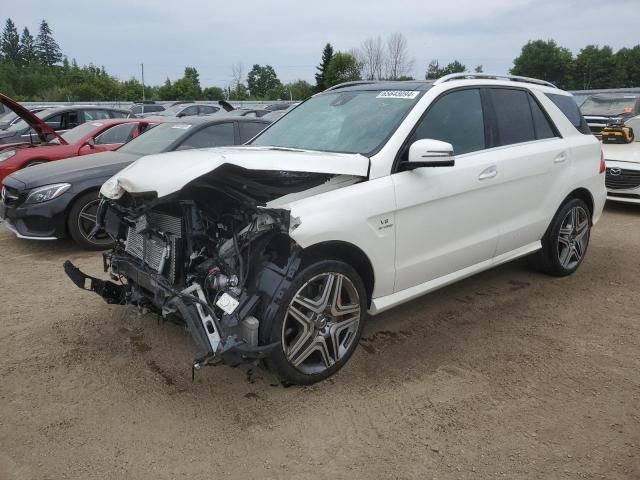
<point>509,374</point>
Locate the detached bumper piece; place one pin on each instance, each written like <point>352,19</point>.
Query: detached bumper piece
<point>111,292</point>
<point>213,347</point>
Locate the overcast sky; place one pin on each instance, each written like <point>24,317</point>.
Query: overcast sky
<point>289,35</point>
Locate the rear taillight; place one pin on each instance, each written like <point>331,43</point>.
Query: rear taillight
<point>603,165</point>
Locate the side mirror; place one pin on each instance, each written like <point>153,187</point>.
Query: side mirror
<point>429,153</point>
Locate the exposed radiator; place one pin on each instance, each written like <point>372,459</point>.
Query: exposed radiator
<point>158,252</point>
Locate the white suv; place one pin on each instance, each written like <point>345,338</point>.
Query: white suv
<point>364,197</point>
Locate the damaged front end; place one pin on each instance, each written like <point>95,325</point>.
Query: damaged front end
<point>211,253</point>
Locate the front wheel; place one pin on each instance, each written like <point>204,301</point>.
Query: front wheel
<point>319,322</point>
<point>565,244</point>
<point>81,221</point>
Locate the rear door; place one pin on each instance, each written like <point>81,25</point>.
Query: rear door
<point>531,154</point>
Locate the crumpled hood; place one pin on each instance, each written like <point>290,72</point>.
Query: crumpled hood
<point>629,152</point>
<point>169,172</point>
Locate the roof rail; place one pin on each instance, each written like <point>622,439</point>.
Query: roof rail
<point>492,76</point>
<point>351,84</point>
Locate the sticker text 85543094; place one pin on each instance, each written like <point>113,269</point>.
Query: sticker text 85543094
<point>405,94</point>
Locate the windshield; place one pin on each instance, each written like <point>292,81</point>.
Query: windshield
<point>344,122</point>
<point>156,140</point>
<point>608,105</point>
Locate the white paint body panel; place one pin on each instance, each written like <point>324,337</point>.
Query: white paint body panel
<point>420,229</point>
<point>167,173</point>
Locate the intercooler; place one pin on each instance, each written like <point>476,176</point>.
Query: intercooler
<point>155,240</point>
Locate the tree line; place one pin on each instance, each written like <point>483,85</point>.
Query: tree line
<point>593,67</point>
<point>35,68</point>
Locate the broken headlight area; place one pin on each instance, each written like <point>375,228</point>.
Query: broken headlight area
<point>211,254</point>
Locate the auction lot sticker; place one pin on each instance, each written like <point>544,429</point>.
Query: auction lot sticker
<point>397,94</point>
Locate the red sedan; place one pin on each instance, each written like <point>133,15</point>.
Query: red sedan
<point>90,137</point>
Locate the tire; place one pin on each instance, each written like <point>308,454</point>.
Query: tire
<point>81,220</point>
<point>313,342</point>
<point>565,243</point>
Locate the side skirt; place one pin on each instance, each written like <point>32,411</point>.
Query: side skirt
<point>381,304</point>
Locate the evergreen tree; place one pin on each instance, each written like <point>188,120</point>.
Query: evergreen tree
<point>47,48</point>
<point>321,76</point>
<point>10,43</point>
<point>27,47</point>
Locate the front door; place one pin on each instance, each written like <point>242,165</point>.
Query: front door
<point>445,219</point>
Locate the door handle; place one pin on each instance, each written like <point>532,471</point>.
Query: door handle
<point>488,173</point>
<point>562,157</point>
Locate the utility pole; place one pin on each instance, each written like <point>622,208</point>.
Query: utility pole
<point>142,68</point>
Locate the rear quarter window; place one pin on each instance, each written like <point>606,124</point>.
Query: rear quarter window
<point>570,108</point>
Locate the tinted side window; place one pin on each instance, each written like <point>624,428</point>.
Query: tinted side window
<point>193,110</point>
<point>217,135</point>
<point>55,122</point>
<point>248,130</point>
<point>138,109</point>
<point>116,114</point>
<point>569,107</point>
<point>118,134</point>
<point>456,118</point>
<point>514,121</point>
<point>90,115</point>
<point>207,109</point>
<point>70,120</point>
<point>541,123</point>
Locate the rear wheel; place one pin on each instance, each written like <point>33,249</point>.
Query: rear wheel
<point>319,322</point>
<point>565,244</point>
<point>82,220</point>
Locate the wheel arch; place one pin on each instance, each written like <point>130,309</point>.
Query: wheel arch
<point>73,201</point>
<point>584,195</point>
<point>348,253</point>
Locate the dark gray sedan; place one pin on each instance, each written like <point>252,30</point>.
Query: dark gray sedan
<point>60,199</point>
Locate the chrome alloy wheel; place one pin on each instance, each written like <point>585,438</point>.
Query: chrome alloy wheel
<point>573,237</point>
<point>321,322</point>
<point>87,219</point>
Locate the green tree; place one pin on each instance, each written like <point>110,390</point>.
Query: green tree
<point>596,67</point>
<point>545,60</point>
<point>478,69</point>
<point>262,80</point>
<point>166,91</point>
<point>298,90</point>
<point>48,49</point>
<point>321,79</point>
<point>131,90</point>
<point>10,43</point>
<point>28,47</point>
<point>628,60</point>
<point>343,67</point>
<point>192,74</point>
<point>213,93</point>
<point>434,71</point>
<point>240,92</point>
